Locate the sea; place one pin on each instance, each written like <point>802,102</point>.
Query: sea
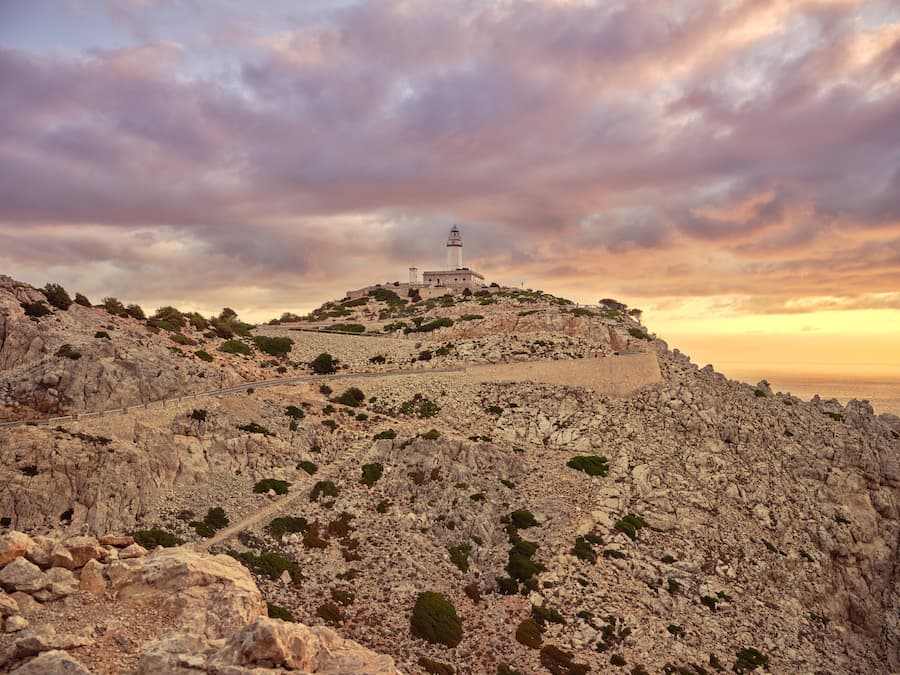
<point>882,391</point>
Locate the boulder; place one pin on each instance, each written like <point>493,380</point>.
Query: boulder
<point>92,580</point>
<point>13,545</point>
<point>61,557</point>
<point>54,662</point>
<point>62,582</point>
<point>177,654</point>
<point>21,575</point>
<point>211,594</point>
<point>119,541</point>
<point>83,549</point>
<point>15,623</point>
<point>132,551</point>
<point>8,605</point>
<point>41,551</point>
<point>43,638</point>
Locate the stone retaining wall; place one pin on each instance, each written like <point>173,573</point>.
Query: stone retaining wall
<point>608,376</point>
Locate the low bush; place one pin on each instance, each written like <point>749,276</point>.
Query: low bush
<point>639,334</point>
<point>459,556</point>
<point>419,406</point>
<point>630,525</point>
<point>198,415</point>
<point>294,412</point>
<point>522,519</point>
<point>528,633</point>
<point>272,565</point>
<point>254,428</point>
<point>280,487</point>
<point>82,300</point>
<point>352,397</point>
<point>431,435</point>
<point>203,355</point>
<point>425,355</point>
<point>434,620</point>
<point>324,488</point>
<point>377,359</point>
<point>181,339</point>
<point>507,586</point>
<point>544,615</point>
<point>748,660</point>
<point>330,612</point>
<point>592,465</point>
<point>559,662</point>
<point>371,473</point>
<point>102,334</point>
<point>57,296</point>
<point>154,537</point>
<point>443,322</point>
<point>584,551</point>
<point>66,351</point>
<point>348,327</point>
<point>307,466</point>
<point>323,364</point>
<point>387,434</point>
<point>235,347</point>
<point>278,612</point>
<point>677,630</point>
<point>273,346</point>
<point>287,525</point>
<point>471,317</point>
<point>331,425</point>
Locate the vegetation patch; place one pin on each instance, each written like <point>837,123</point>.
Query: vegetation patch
<point>102,334</point>
<point>559,662</point>
<point>235,347</point>
<point>307,466</point>
<point>294,412</point>
<point>324,364</point>
<point>286,525</point>
<point>277,612</point>
<point>199,415</point>
<point>279,487</point>
<point>330,612</point>
<point>387,434</point>
<point>434,620</point>
<point>459,556</point>
<point>584,551</point>
<point>324,488</point>
<point>35,309</point>
<point>254,428</point>
<point>419,406</point>
<point>471,317</point>
<point>630,525</point>
<point>639,334</point>
<point>748,660</point>
<point>592,465</point>
<point>214,520</point>
<point>203,355</point>
<point>371,473</point>
<point>431,435</point>
<point>272,565</point>
<point>273,346</point>
<point>522,519</point>
<point>528,633</point>
<point>66,351</point>
<point>348,328</point>
<point>353,397</point>
<point>154,537</point>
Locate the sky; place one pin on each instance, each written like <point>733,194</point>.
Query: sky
<point>730,167</point>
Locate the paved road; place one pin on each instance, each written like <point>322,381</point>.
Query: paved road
<point>238,388</point>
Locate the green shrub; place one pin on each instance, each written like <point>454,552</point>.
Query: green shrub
<point>639,334</point>
<point>371,473</point>
<point>630,525</point>
<point>102,334</point>
<point>378,359</point>
<point>323,364</point>
<point>676,630</point>
<point>431,435</point>
<point>82,300</point>
<point>348,327</point>
<point>273,346</point>
<point>419,406</point>
<point>584,551</point>
<point>528,312</point>
<point>66,351</point>
<point>114,307</point>
<point>471,317</point>
<point>544,615</point>
<point>216,518</point>
<point>559,662</point>
<point>182,339</point>
<point>528,633</point>
<point>277,612</point>
<point>459,556</point>
<point>667,559</point>
<point>330,612</point>
<point>154,537</point>
<point>674,587</point>
<point>324,488</point>
<point>435,667</point>
<point>312,538</point>
<point>57,296</point>
<point>443,322</point>
<point>837,417</point>
<point>387,434</point>
<point>507,586</point>
<point>434,620</point>
<point>613,553</point>
<point>280,487</point>
<point>592,465</point>
<point>286,525</point>
<point>749,659</point>
<point>294,412</point>
<point>352,397</point>
<point>331,425</point>
<point>135,312</point>
<point>170,315</point>
<point>342,597</point>
<point>520,566</point>
<point>272,565</point>
<point>425,355</point>
<point>235,347</point>
<point>581,311</point>
<point>523,519</point>
<point>254,428</point>
<point>203,355</point>
<point>307,466</point>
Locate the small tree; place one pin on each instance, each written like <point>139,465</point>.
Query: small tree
<point>324,364</point>
<point>57,296</point>
<point>82,300</point>
<point>170,315</point>
<point>114,306</point>
<point>135,312</point>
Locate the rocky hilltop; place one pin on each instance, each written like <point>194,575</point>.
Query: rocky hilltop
<point>460,524</point>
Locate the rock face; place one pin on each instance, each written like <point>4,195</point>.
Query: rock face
<point>53,662</point>
<point>130,366</point>
<point>269,644</point>
<point>13,545</point>
<point>211,595</point>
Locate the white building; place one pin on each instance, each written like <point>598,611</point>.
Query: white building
<point>455,276</point>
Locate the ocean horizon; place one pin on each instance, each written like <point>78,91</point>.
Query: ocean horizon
<point>881,390</point>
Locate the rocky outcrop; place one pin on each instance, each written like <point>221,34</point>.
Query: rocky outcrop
<point>265,643</point>
<point>211,595</point>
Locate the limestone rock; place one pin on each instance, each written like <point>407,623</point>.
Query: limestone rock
<point>15,623</point>
<point>210,594</point>
<point>92,580</point>
<point>62,557</point>
<point>132,551</point>
<point>177,654</point>
<point>41,551</point>
<point>62,583</point>
<point>13,545</point>
<point>8,605</point>
<point>83,549</point>
<point>53,662</point>
<point>43,638</point>
<point>21,575</point>
<point>119,541</point>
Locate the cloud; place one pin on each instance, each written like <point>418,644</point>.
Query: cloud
<point>655,148</point>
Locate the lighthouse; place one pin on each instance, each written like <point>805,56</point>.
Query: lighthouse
<point>454,249</point>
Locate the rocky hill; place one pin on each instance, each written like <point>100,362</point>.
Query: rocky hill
<point>695,526</point>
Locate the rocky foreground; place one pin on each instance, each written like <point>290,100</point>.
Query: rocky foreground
<point>697,526</point>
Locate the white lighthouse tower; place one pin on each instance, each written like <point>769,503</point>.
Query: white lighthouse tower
<point>454,249</point>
